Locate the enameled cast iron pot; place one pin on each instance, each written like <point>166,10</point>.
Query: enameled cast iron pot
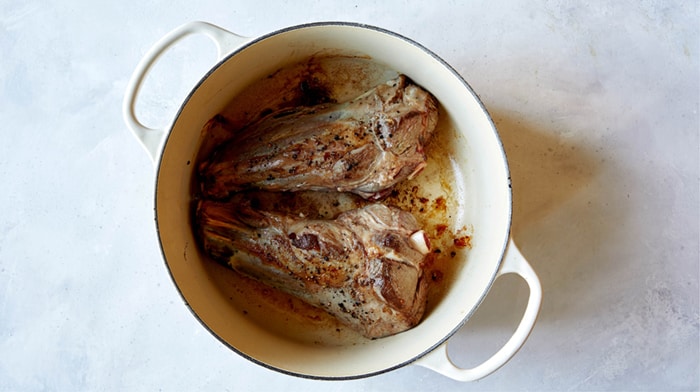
<point>482,173</point>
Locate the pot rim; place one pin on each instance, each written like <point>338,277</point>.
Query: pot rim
<point>504,245</point>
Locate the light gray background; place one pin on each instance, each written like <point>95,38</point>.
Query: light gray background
<point>597,106</point>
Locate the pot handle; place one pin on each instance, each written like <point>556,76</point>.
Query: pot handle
<point>151,139</point>
<point>439,361</point>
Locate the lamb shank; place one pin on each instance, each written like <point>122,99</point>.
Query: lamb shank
<point>364,146</point>
<point>365,267</point>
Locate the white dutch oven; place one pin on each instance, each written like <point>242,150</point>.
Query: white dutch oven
<point>482,173</point>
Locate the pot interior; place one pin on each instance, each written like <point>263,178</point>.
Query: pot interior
<point>479,206</point>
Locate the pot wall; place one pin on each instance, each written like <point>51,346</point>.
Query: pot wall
<point>483,187</point>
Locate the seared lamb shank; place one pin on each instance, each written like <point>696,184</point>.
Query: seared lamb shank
<point>364,146</point>
<point>365,267</point>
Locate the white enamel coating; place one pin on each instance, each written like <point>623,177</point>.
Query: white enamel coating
<point>151,139</point>
<point>483,184</point>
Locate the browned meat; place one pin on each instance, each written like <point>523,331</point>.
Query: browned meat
<point>365,267</point>
<point>364,146</point>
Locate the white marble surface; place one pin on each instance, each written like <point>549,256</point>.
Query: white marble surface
<point>597,106</point>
